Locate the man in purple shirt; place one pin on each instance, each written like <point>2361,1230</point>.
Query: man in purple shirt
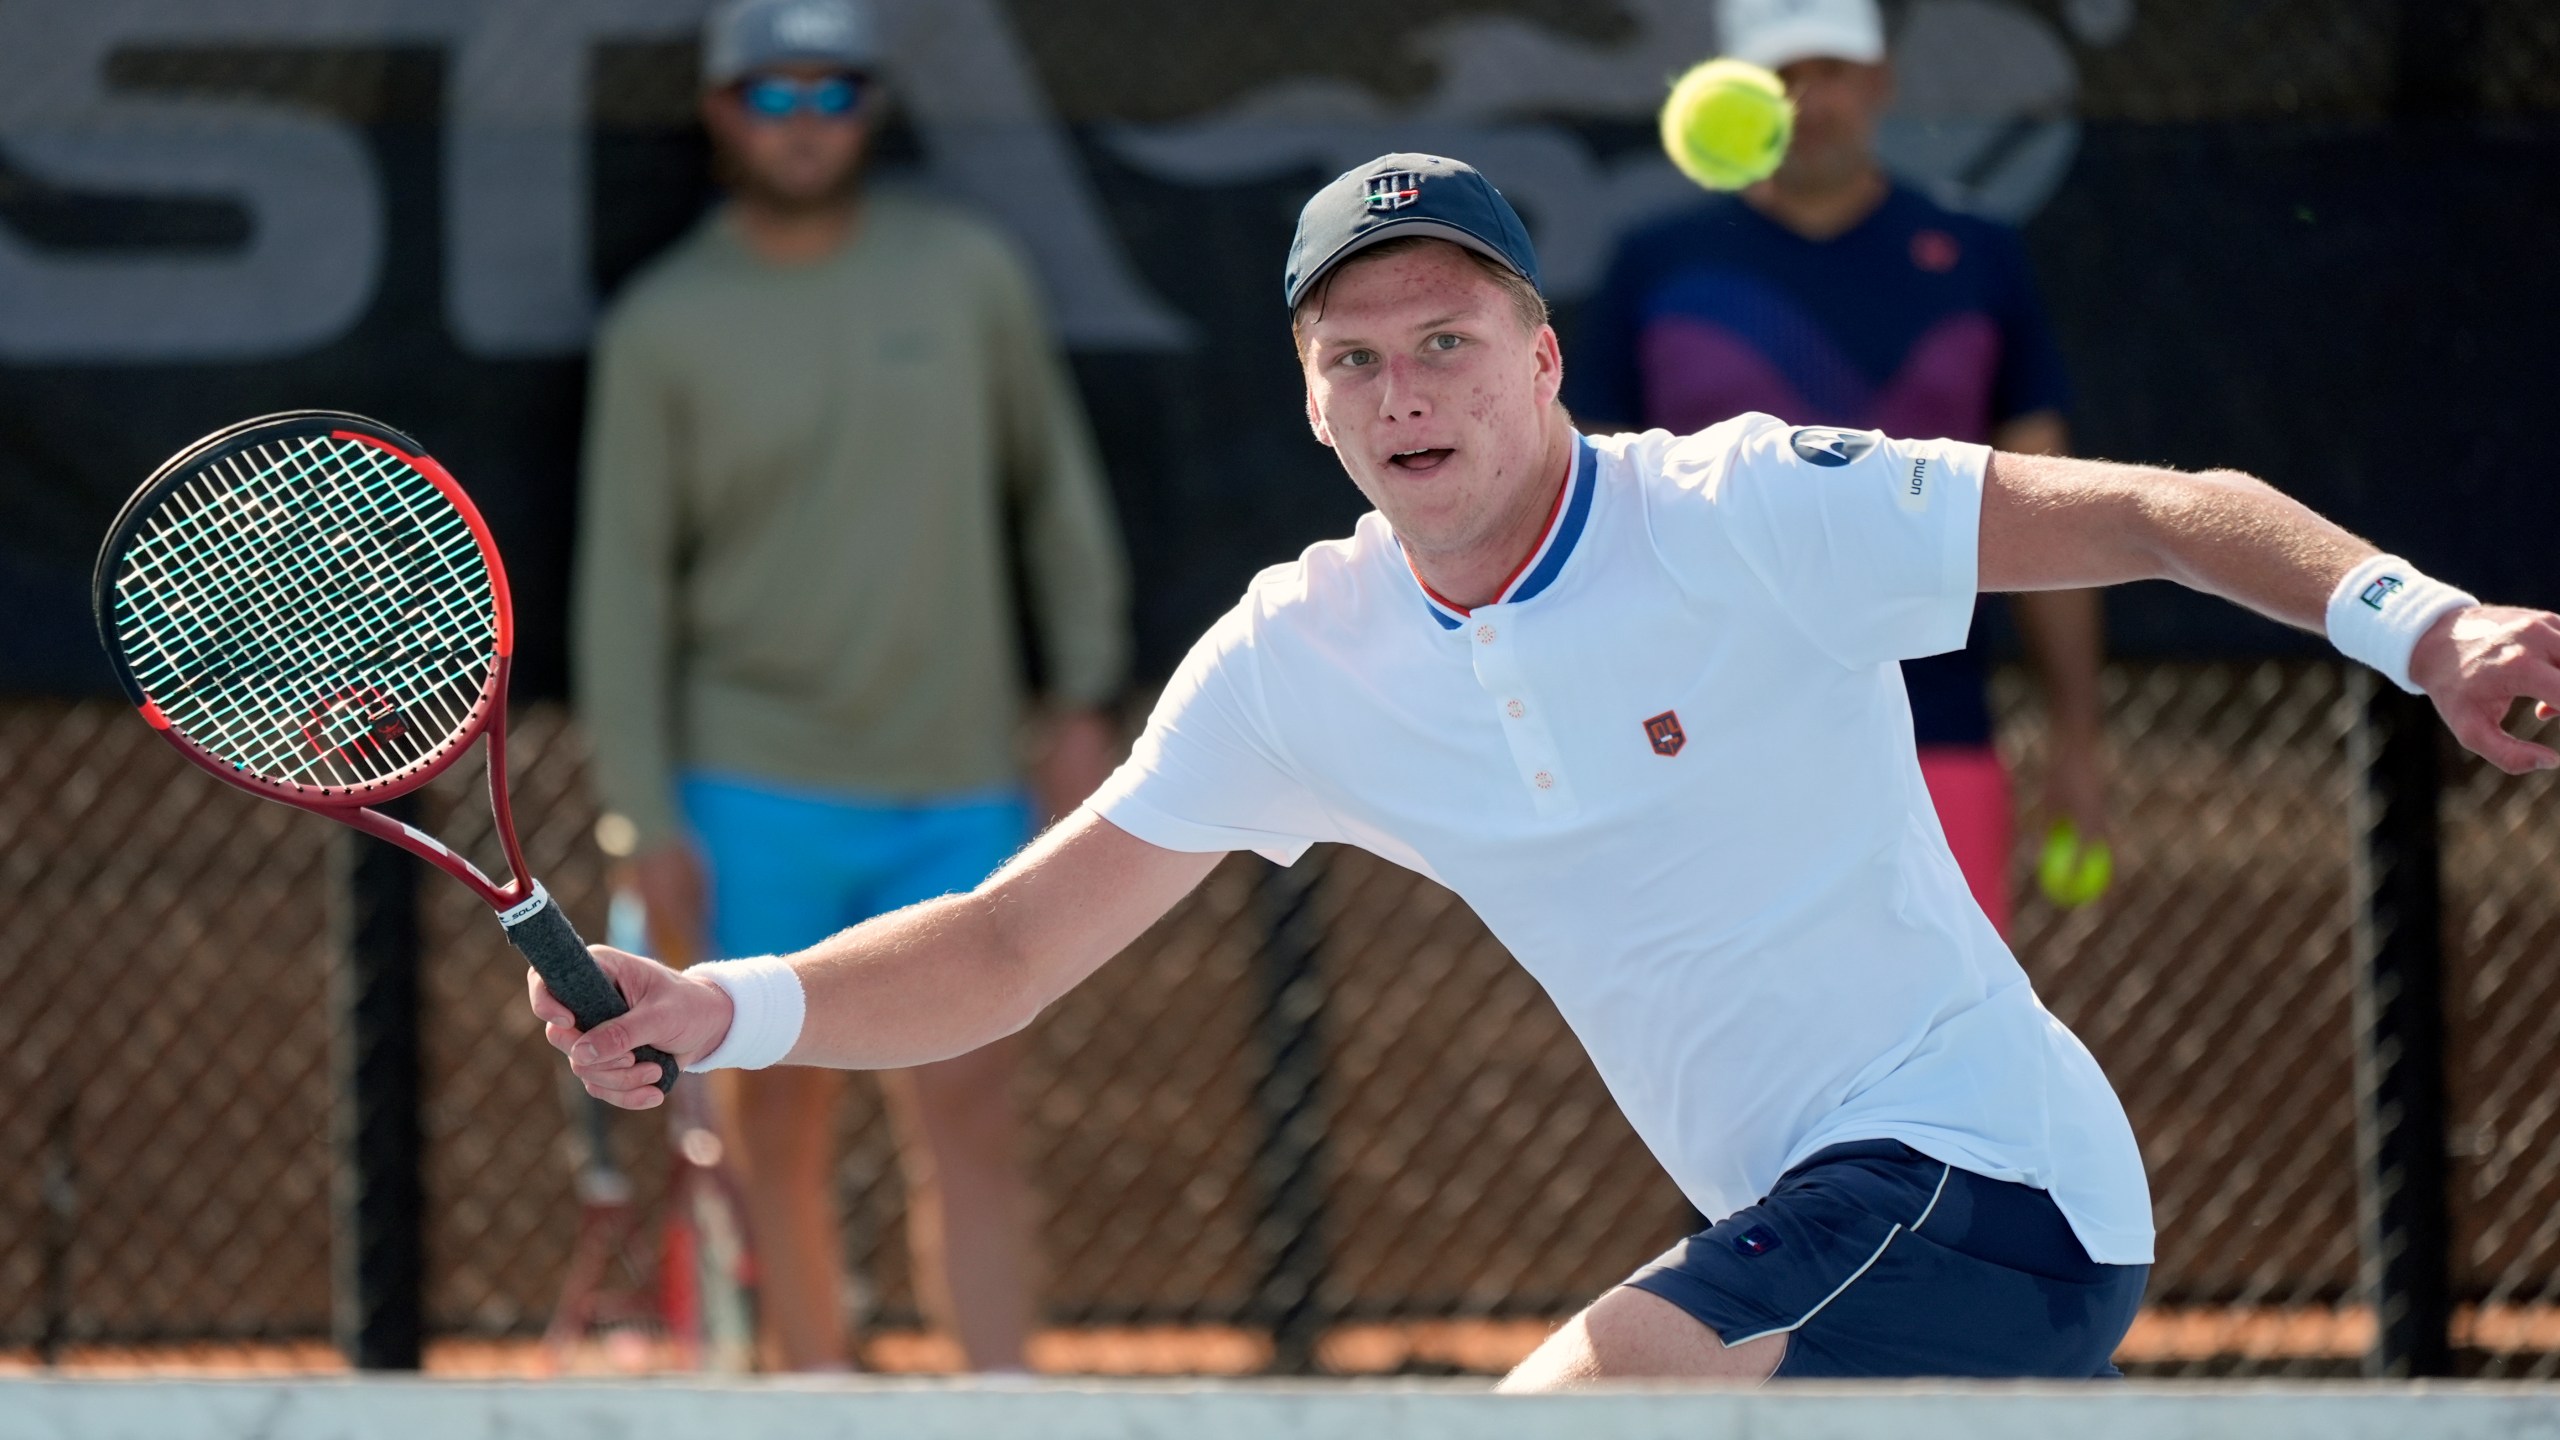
<point>1830,294</point>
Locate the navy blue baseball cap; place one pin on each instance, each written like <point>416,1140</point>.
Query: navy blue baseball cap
<point>1400,195</point>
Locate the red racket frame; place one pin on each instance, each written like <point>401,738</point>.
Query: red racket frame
<point>535,925</point>
<point>487,718</point>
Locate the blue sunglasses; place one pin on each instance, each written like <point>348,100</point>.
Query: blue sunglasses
<point>779,97</point>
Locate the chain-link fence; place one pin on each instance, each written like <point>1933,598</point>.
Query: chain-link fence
<point>166,948</point>
<point>1314,1115</point>
<point>2502,953</point>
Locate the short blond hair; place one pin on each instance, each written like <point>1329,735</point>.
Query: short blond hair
<point>1527,305</point>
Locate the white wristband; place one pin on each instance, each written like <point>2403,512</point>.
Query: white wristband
<point>2378,612</point>
<point>767,1007</point>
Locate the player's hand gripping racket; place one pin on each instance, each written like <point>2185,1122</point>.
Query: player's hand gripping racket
<point>309,607</point>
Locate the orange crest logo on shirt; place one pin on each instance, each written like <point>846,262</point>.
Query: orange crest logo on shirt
<point>1665,733</point>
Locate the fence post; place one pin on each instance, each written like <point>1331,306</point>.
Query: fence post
<point>2403,1127</point>
<point>61,1190</point>
<point>378,1253</point>
<point>1290,1164</point>
<point>2401,1117</point>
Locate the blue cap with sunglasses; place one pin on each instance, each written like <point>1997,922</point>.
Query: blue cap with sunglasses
<point>746,36</point>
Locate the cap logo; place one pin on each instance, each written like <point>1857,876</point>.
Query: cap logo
<point>814,27</point>
<point>1392,191</point>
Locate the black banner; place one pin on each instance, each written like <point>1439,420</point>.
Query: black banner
<point>413,210</point>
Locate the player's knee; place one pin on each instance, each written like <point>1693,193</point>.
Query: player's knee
<point>1561,1360</point>
<point>1632,1335</point>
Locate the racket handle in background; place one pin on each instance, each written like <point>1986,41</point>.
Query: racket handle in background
<point>541,930</point>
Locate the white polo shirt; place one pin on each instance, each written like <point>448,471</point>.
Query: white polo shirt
<point>1672,769</point>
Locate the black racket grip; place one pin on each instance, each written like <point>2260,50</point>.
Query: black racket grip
<point>551,945</point>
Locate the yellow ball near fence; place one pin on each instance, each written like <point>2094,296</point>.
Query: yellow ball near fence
<point>1727,124</point>
<point>2072,871</point>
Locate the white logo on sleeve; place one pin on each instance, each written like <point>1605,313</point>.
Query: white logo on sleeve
<point>1913,493</point>
<point>1821,445</point>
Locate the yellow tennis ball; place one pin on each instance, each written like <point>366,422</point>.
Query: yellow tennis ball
<point>2072,872</point>
<point>1726,124</point>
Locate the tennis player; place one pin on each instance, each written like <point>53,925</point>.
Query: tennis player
<point>1635,697</point>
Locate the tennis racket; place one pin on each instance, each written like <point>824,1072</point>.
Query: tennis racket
<point>309,608</point>
<point>706,1267</point>
<point>697,1300</point>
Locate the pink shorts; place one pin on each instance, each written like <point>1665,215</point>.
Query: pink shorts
<point>1971,791</point>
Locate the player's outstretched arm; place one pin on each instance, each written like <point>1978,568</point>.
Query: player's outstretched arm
<point>924,983</point>
<point>2049,522</point>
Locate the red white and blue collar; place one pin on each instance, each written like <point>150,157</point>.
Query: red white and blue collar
<point>1545,560</point>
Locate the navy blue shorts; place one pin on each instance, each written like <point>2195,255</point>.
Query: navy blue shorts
<point>1876,1261</point>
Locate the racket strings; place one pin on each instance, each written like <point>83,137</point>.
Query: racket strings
<point>329,712</point>
<point>264,614</point>
<point>256,531</point>
<point>268,613</point>
<point>251,626</point>
<point>244,532</point>
<point>442,535</point>
<point>311,611</point>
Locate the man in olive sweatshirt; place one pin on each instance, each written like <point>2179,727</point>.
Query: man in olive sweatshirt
<point>815,422</point>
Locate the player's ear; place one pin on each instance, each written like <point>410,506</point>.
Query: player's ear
<point>1550,365</point>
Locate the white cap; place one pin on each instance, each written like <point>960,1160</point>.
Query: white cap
<point>748,35</point>
<point>1774,33</point>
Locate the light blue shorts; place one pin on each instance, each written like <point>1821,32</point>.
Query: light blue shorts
<point>790,865</point>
